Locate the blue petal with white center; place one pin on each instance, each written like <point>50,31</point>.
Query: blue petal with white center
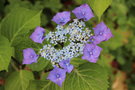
<point>57,75</point>
<point>83,12</point>
<point>29,56</point>
<point>91,52</point>
<point>62,18</point>
<point>66,65</point>
<point>102,33</point>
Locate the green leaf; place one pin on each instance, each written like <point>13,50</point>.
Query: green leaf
<point>40,65</point>
<point>16,27</point>
<point>19,80</point>
<point>18,21</point>
<point>17,3</point>
<point>79,1</point>
<point>99,6</point>
<point>54,5</point>
<point>32,86</point>
<point>77,61</point>
<point>5,53</point>
<point>87,76</point>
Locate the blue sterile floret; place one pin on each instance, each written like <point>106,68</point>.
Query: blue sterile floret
<point>38,35</point>
<point>62,18</point>
<point>57,75</point>
<point>66,65</point>
<point>102,33</point>
<point>29,56</point>
<point>91,52</point>
<point>83,12</point>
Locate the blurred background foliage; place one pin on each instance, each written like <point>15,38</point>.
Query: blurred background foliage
<point>119,52</point>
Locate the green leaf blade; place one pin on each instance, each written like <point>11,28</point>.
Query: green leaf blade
<point>19,80</point>
<point>87,76</point>
<point>99,6</point>
<point>40,65</point>
<point>20,20</point>
<point>5,53</point>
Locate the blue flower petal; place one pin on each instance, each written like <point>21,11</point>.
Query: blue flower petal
<point>62,17</point>
<point>57,75</point>
<point>91,52</point>
<point>29,56</point>
<point>83,12</point>
<point>38,35</point>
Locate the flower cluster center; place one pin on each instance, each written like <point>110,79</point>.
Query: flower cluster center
<point>75,34</point>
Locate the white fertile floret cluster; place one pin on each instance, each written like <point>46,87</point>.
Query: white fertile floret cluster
<point>75,33</point>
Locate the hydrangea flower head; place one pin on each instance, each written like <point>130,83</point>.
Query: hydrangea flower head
<point>66,65</point>
<point>102,33</point>
<point>29,56</point>
<point>57,75</point>
<point>83,12</point>
<point>68,42</point>
<point>62,17</point>
<point>91,52</point>
<point>38,35</point>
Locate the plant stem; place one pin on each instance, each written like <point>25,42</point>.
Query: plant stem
<point>14,66</point>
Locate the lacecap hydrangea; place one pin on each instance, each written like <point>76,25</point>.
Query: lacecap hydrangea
<point>81,41</point>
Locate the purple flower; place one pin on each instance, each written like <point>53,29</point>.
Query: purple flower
<point>102,33</point>
<point>91,52</point>
<point>83,12</point>
<point>29,56</point>
<point>66,65</point>
<point>57,76</point>
<point>38,35</point>
<point>62,18</point>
